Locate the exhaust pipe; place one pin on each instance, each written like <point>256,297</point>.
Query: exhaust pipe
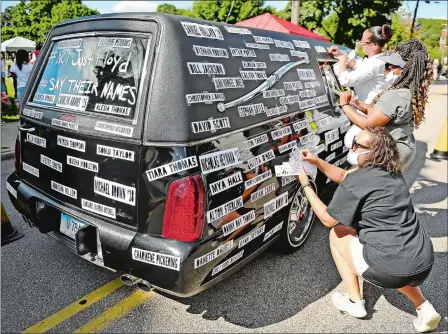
<point>143,285</point>
<point>129,280</point>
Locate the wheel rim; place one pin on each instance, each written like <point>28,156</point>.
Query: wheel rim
<point>300,219</point>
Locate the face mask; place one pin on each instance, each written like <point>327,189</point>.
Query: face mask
<point>352,157</point>
<point>391,77</point>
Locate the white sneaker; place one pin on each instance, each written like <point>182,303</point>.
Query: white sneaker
<point>427,318</point>
<point>342,302</point>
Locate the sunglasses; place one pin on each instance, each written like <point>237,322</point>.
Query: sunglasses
<point>356,145</point>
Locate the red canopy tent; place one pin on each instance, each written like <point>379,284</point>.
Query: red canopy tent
<point>270,22</point>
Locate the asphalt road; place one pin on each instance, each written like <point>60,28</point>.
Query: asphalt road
<point>272,294</point>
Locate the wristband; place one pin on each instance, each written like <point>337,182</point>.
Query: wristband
<point>306,185</point>
<point>347,104</point>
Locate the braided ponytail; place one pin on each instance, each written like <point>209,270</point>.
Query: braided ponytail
<point>417,76</point>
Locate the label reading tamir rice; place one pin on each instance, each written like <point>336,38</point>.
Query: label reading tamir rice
<point>171,168</point>
<point>227,263</point>
<point>219,160</point>
<point>238,223</point>
<point>157,259</point>
<point>224,209</point>
<point>209,257</point>
<point>226,183</point>
<point>261,159</point>
<point>275,204</point>
<point>115,191</point>
<point>117,129</point>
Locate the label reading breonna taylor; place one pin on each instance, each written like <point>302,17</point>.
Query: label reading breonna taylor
<point>219,160</point>
<point>171,168</point>
<point>157,259</point>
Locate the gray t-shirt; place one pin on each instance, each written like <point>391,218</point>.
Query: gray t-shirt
<point>379,205</point>
<point>397,105</point>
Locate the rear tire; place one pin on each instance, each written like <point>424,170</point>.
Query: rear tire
<point>298,223</point>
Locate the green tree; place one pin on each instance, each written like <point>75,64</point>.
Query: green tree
<point>343,21</point>
<point>430,31</point>
<point>217,10</point>
<point>33,19</point>
<point>171,9</point>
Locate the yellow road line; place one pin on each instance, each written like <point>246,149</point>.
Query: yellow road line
<point>116,312</point>
<point>76,307</point>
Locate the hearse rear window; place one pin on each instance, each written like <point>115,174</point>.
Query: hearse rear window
<point>95,74</point>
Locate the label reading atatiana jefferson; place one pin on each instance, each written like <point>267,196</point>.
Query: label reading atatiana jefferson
<point>202,30</point>
<point>115,191</point>
<point>71,143</point>
<point>226,183</point>
<point>215,161</point>
<point>227,263</point>
<point>114,152</point>
<point>64,190</point>
<point>209,257</point>
<point>275,205</point>
<point>211,125</point>
<point>251,236</point>
<point>238,223</point>
<point>157,259</point>
<point>98,208</point>
<point>171,168</point>
<point>224,209</point>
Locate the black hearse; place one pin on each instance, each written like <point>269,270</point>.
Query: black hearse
<point>148,144</point>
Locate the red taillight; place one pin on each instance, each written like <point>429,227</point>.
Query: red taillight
<point>17,156</point>
<point>184,210</point>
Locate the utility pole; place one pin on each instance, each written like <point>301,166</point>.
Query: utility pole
<point>295,11</point>
<point>415,16</point>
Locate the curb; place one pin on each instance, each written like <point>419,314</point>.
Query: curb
<point>8,154</point>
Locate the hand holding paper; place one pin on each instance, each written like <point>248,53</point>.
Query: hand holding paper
<point>297,162</point>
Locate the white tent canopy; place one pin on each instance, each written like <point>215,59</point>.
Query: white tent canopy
<point>17,43</point>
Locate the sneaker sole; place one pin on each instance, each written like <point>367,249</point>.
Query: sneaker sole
<point>431,324</point>
<point>345,311</point>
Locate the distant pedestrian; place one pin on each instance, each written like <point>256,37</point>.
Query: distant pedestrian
<point>35,53</point>
<point>21,71</point>
<point>375,231</point>
<point>3,69</point>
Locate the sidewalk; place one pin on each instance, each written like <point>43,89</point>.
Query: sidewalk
<point>9,134</point>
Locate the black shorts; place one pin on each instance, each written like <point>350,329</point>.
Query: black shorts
<point>394,282</point>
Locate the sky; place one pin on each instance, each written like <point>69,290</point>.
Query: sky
<point>435,9</point>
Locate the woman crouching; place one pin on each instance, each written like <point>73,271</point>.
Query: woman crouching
<point>392,249</point>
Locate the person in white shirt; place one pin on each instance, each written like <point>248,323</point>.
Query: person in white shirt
<point>367,76</point>
<point>21,71</point>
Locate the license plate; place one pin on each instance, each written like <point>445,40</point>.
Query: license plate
<point>70,225</point>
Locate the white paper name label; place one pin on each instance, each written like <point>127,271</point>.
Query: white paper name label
<point>287,146</point>
<point>262,192</point>
<point>227,263</point>
<point>36,140</point>
<point>272,231</point>
<point>280,133</point>
<point>98,208</point>
<point>64,124</point>
<point>71,143</point>
<point>206,68</point>
<point>226,183</point>
<point>219,160</point>
<point>210,125</point>
<point>83,164</point>
<point>171,168</point>
<point>261,159</point>
<point>117,129</point>
<point>157,259</point>
<point>206,98</point>
<point>258,179</point>
<point>251,110</point>
<point>205,51</point>
<point>111,109</point>
<point>275,205</point>
<point>226,83</point>
<point>74,102</point>
<point>114,152</point>
<point>303,124</point>
<point>51,163</point>
<point>251,236</point>
<point>335,146</point>
<point>331,136</point>
<point>64,190</point>
<point>32,113</point>
<point>30,169</point>
<point>113,190</point>
<point>202,30</point>
<point>224,209</point>
<point>238,223</point>
<point>11,189</point>
<point>256,141</point>
<point>209,257</point>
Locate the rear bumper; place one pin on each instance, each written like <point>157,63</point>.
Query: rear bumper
<point>116,242</point>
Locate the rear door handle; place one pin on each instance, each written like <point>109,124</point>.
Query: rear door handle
<point>27,129</point>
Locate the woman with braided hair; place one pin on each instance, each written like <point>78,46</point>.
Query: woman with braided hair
<point>400,108</point>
